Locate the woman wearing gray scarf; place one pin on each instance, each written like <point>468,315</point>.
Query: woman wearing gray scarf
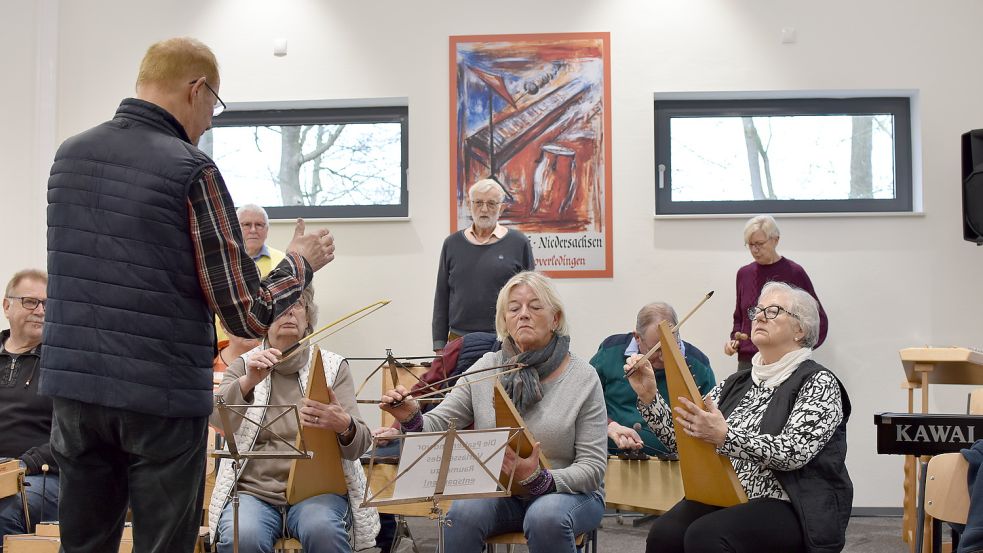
<point>560,399</point>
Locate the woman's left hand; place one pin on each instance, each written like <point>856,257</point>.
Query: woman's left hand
<point>708,425</point>
<point>331,415</point>
<point>524,466</point>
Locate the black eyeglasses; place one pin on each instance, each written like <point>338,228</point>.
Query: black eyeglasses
<point>770,312</point>
<point>28,302</point>
<point>219,106</point>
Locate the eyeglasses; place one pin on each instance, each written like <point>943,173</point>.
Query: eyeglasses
<point>481,204</point>
<point>219,106</point>
<point>28,302</point>
<point>257,226</point>
<point>757,245</point>
<point>770,312</point>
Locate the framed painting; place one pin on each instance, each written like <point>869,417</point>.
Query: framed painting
<point>533,112</point>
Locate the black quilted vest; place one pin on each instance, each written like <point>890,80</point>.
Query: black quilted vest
<point>821,492</point>
<point>126,324</point>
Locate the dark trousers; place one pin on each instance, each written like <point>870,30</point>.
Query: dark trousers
<point>112,458</point>
<point>758,526</point>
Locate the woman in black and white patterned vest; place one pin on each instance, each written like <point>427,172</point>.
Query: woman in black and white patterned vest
<point>783,425</point>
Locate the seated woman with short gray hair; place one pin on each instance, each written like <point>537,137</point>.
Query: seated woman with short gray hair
<point>783,425</point>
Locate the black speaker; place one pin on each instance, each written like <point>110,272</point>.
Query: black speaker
<point>972,143</point>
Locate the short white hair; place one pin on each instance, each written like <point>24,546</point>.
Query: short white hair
<point>255,209</point>
<point>542,287</point>
<point>487,185</point>
<point>764,223</point>
<point>802,305</point>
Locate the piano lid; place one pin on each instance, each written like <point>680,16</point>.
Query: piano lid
<point>950,365</point>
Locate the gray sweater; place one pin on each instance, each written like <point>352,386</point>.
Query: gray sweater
<point>469,277</point>
<point>570,421</point>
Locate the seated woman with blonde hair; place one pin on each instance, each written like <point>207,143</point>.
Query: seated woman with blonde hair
<point>783,425</point>
<point>560,399</point>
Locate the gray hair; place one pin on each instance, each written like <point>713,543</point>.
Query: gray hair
<point>764,223</point>
<point>25,274</point>
<point>255,209</point>
<point>543,287</point>
<point>307,296</point>
<point>486,185</point>
<point>653,312</point>
<point>803,305</point>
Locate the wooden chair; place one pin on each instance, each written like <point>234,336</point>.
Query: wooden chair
<point>975,406</point>
<point>946,495</point>
<point>586,542</point>
<point>287,545</point>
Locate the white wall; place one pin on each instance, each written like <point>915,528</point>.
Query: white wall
<point>886,282</point>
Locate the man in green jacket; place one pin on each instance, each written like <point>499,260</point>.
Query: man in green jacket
<point>620,398</point>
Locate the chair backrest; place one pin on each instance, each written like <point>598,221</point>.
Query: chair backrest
<point>946,488</point>
<point>975,402</point>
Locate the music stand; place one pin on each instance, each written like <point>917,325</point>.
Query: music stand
<point>238,456</point>
<point>429,458</point>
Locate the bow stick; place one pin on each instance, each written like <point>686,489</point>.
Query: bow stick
<point>656,347</point>
<point>517,367</point>
<point>445,390</point>
<point>368,310</point>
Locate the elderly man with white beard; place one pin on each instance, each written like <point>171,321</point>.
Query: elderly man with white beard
<point>474,264</point>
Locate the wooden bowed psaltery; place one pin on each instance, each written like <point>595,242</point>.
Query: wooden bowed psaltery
<point>656,347</point>
<point>708,477</point>
<point>323,472</point>
<point>507,416</point>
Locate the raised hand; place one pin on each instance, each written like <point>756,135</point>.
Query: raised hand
<point>258,367</point>
<point>642,378</point>
<point>316,247</point>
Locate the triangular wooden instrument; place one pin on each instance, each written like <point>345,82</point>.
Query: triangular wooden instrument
<point>708,477</point>
<point>323,473</point>
<point>507,416</point>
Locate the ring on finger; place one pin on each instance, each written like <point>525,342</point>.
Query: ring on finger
<point>314,420</point>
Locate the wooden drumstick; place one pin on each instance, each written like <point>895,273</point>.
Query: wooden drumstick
<point>740,336</point>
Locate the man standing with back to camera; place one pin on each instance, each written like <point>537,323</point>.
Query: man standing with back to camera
<point>143,248</point>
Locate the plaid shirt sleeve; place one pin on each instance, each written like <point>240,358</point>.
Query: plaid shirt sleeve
<point>229,278</point>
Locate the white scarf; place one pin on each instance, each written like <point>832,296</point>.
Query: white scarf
<point>771,376</point>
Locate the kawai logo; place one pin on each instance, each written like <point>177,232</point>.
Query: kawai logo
<point>936,433</point>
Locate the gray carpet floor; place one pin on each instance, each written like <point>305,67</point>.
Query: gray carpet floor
<point>864,535</point>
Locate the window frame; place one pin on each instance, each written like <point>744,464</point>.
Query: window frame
<point>233,117</point>
<point>897,106</point>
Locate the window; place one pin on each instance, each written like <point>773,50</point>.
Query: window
<point>314,163</point>
<point>797,155</point>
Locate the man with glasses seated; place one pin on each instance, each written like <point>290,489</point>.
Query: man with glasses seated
<point>626,429</point>
<point>25,416</point>
<point>474,264</point>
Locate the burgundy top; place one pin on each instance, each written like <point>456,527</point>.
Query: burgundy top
<point>750,279</point>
